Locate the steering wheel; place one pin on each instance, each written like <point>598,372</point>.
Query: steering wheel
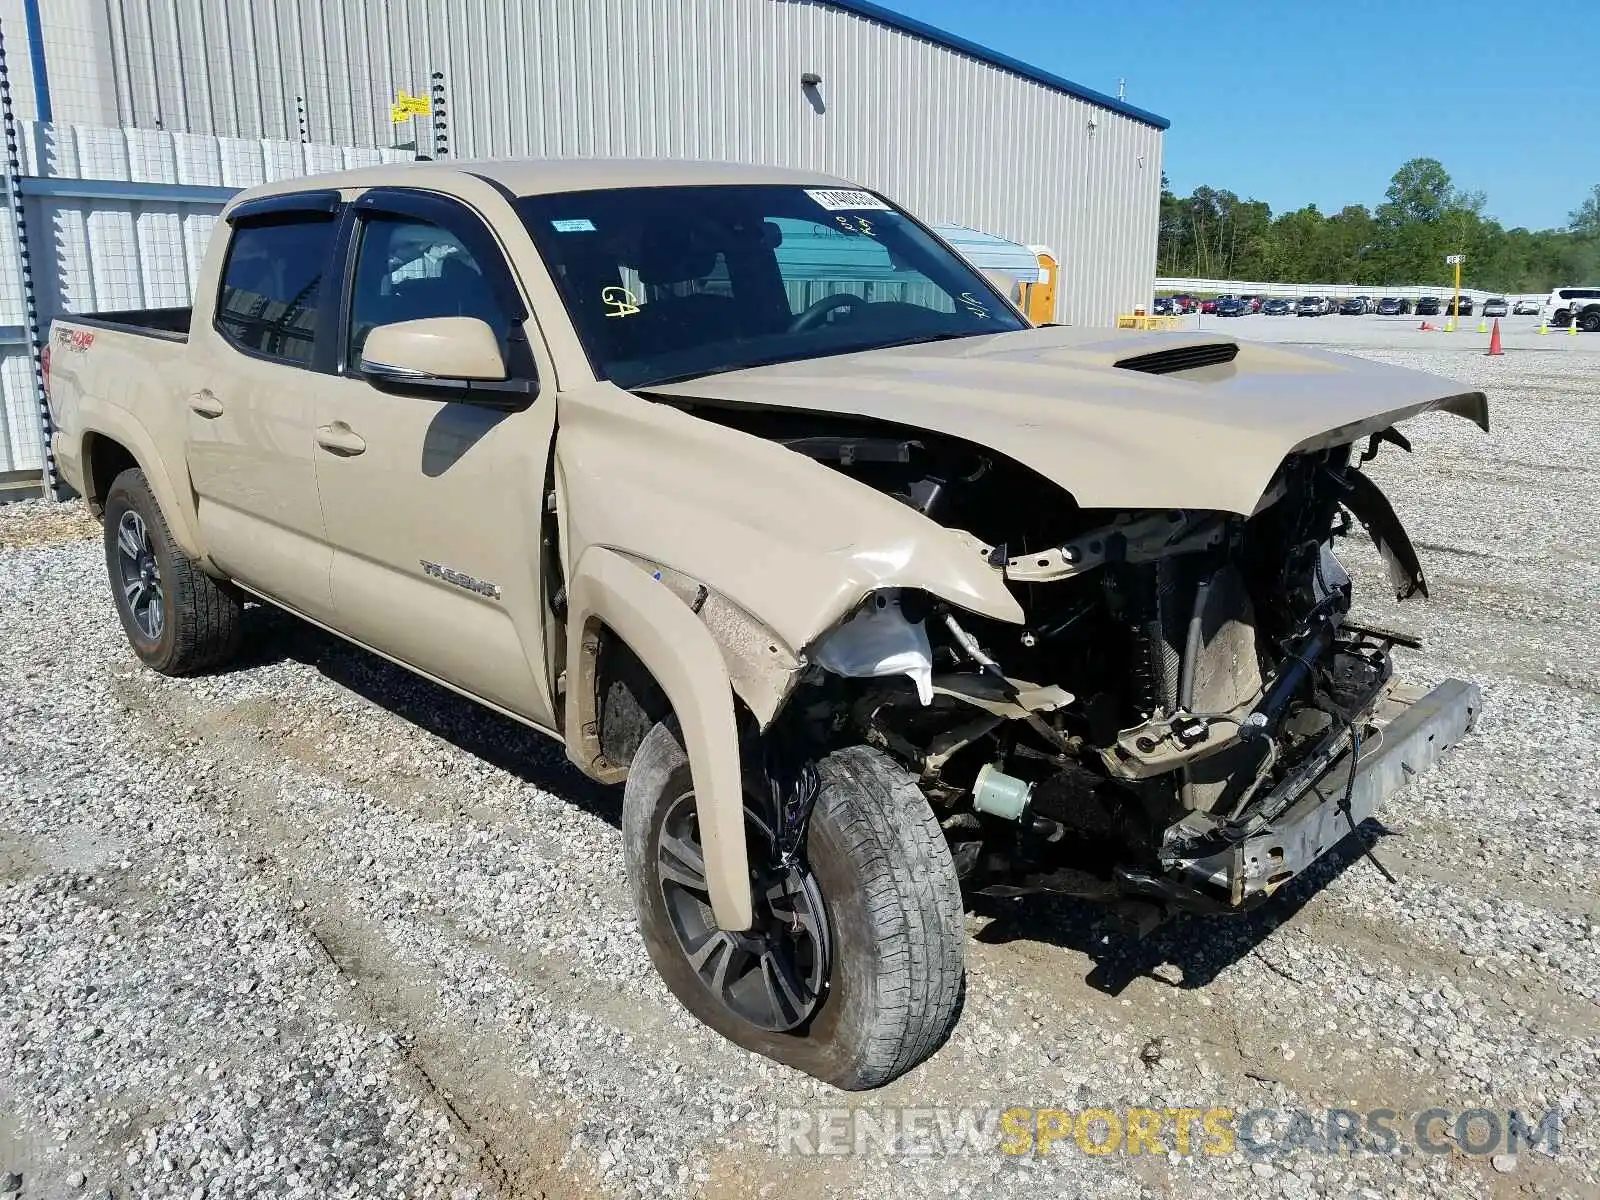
<point>818,312</point>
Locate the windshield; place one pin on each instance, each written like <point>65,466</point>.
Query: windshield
<point>668,283</point>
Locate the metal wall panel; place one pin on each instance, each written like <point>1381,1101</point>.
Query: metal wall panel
<point>950,136</point>
<point>94,253</point>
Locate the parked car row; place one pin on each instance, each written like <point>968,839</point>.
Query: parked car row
<point>1558,308</point>
<point>1388,306</point>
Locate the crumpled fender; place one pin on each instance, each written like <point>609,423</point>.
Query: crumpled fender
<point>678,650</point>
<point>789,541</point>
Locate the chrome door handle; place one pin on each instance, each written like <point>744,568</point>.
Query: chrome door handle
<point>340,439</point>
<point>205,403</point>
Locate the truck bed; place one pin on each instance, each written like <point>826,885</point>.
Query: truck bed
<point>169,323</point>
<point>123,375</point>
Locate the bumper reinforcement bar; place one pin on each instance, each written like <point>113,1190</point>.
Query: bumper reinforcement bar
<point>1413,732</point>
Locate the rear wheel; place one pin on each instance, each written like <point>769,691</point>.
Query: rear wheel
<point>1589,320</point>
<point>177,618</point>
<point>853,969</point>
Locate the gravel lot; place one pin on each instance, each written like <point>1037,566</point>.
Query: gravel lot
<point>316,928</point>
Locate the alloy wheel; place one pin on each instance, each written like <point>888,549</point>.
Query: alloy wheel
<point>774,974</point>
<point>139,575</point>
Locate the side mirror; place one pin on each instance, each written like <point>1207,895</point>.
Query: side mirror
<point>443,354</point>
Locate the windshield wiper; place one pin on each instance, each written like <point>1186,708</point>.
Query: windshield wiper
<point>930,337</point>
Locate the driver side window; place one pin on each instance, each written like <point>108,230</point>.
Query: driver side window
<point>408,269</point>
<point>843,255</point>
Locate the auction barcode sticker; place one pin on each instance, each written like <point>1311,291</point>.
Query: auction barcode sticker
<point>846,199</point>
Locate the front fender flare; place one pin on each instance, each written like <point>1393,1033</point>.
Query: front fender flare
<point>676,648</point>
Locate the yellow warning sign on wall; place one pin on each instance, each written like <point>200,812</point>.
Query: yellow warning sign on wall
<point>406,106</point>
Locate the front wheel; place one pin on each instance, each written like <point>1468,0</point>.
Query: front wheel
<point>853,969</point>
<point>177,618</point>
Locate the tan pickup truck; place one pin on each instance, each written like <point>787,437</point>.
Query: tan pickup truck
<point>743,484</point>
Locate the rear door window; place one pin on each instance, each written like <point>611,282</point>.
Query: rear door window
<point>272,290</point>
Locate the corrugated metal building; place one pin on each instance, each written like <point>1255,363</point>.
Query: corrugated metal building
<point>953,131</point>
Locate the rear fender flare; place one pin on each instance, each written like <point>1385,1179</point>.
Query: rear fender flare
<point>607,590</point>
<point>177,504</point>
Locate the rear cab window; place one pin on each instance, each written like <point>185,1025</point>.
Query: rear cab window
<point>272,290</point>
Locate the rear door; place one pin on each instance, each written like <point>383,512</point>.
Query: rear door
<point>435,507</point>
<point>248,413</point>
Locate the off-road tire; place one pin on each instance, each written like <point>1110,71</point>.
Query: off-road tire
<point>893,907</point>
<point>1589,320</point>
<point>201,617</point>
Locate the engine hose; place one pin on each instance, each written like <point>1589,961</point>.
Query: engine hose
<point>1299,659</point>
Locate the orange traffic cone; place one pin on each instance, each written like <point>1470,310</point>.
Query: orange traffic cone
<point>1494,339</point>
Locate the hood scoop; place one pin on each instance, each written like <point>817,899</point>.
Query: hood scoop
<point>1182,358</point>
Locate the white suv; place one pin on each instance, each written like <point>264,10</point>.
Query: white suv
<point>1565,303</point>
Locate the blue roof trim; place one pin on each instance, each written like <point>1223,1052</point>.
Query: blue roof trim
<point>911,25</point>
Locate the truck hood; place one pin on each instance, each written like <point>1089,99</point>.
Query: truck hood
<point>1121,420</point>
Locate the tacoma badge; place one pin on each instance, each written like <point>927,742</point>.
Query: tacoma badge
<point>461,579</point>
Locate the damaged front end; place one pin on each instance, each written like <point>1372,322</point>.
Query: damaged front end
<point>1188,716</point>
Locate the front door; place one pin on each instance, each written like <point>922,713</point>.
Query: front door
<point>248,417</point>
<point>435,506</point>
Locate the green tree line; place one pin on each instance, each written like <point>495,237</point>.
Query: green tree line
<point>1215,235</point>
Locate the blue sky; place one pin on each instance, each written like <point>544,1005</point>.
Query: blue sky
<point>1296,103</point>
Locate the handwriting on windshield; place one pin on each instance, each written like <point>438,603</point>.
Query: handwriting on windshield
<point>855,225</point>
<point>973,305</point>
<point>620,301</point>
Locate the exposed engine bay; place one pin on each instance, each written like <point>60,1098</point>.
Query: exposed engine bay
<point>1182,677</point>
